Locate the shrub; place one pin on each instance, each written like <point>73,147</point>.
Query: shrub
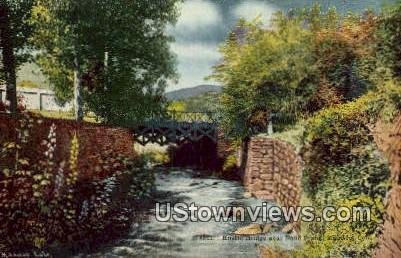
<point>150,157</point>
<point>344,168</point>
<point>230,167</point>
<point>343,239</point>
<point>292,135</point>
<point>330,137</point>
<point>160,158</point>
<point>388,46</point>
<point>333,136</point>
<point>367,174</point>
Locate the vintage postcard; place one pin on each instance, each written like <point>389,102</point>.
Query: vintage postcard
<point>200,128</point>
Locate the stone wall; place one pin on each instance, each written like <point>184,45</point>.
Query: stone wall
<point>388,138</point>
<point>273,171</point>
<point>95,141</point>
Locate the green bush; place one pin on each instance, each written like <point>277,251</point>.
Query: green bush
<point>343,167</point>
<point>334,135</point>
<point>330,137</point>
<point>292,135</point>
<point>367,174</point>
<point>343,239</point>
<point>152,157</point>
<point>160,157</point>
<point>230,167</point>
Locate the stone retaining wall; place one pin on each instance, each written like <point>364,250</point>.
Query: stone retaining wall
<point>96,142</point>
<point>273,171</point>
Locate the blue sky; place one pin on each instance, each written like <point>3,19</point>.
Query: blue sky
<point>204,24</point>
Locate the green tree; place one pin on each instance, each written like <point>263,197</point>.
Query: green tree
<point>307,60</point>
<point>342,49</point>
<point>264,72</point>
<point>14,34</point>
<point>389,43</point>
<point>58,35</point>
<point>118,51</point>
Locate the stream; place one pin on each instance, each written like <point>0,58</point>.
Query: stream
<point>149,237</point>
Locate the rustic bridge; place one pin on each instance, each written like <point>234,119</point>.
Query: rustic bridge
<point>177,127</point>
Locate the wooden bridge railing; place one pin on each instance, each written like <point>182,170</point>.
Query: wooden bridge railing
<point>192,117</point>
<point>176,127</point>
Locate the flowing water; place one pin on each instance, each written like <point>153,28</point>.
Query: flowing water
<point>151,238</point>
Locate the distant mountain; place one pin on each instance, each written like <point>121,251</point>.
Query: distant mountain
<point>192,92</point>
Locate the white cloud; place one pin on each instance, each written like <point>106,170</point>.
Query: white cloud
<point>195,56</point>
<point>251,9</point>
<point>196,14</point>
<point>192,74</point>
<point>195,51</point>
<point>195,61</point>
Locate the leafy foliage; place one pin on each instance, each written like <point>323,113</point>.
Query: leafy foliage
<point>14,33</point>
<point>230,168</point>
<point>366,174</point>
<point>344,167</point>
<point>307,60</point>
<point>339,239</point>
<point>153,157</point>
<point>341,48</point>
<point>334,136</point>
<point>138,63</point>
<point>264,72</point>
<point>388,45</point>
<point>19,15</point>
<point>178,105</point>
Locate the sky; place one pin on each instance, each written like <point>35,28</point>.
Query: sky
<point>204,24</point>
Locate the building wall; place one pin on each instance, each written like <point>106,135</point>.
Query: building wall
<point>38,99</point>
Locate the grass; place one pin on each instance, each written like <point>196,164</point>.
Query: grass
<point>63,115</point>
<point>292,135</point>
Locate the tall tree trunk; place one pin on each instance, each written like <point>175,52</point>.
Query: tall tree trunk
<point>106,61</point>
<point>9,63</point>
<point>79,114</point>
